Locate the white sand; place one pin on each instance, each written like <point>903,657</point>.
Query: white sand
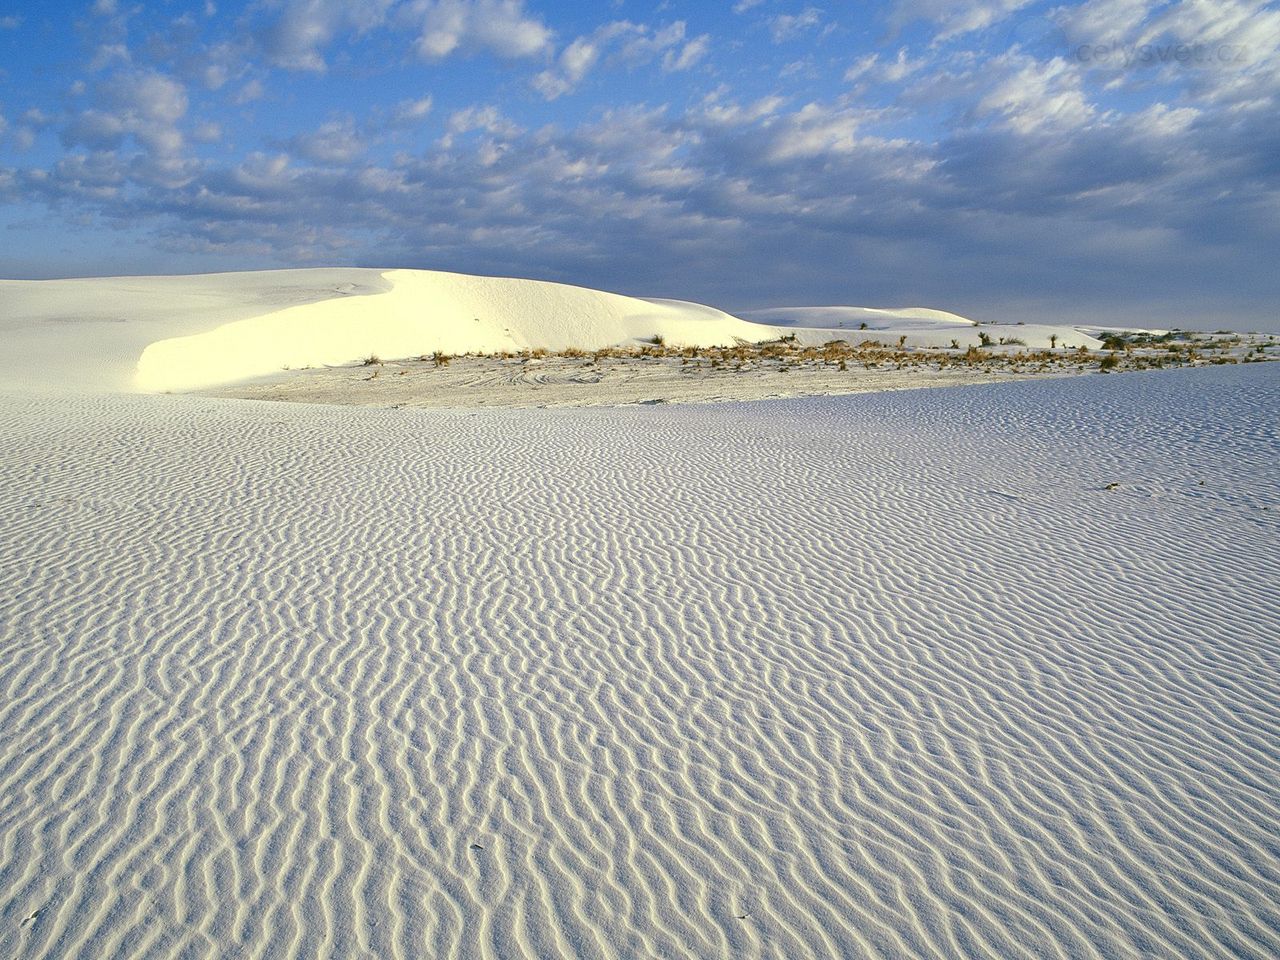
<point>977,672</point>
<point>185,333</point>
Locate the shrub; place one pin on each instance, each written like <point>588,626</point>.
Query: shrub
<point>1109,362</point>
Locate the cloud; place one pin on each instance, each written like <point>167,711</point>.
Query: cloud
<point>1036,95</point>
<point>946,172</point>
<point>954,18</point>
<point>297,31</point>
<point>872,67</point>
<point>688,56</point>
<point>10,22</point>
<point>787,26</point>
<point>578,58</point>
<point>408,113</point>
<point>334,142</point>
<point>625,43</point>
<point>142,104</point>
<point>1227,52</point>
<point>487,120</point>
<point>500,27</point>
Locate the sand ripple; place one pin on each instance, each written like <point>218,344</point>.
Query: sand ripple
<point>890,675</point>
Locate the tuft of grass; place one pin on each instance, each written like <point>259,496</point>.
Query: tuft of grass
<point>372,360</point>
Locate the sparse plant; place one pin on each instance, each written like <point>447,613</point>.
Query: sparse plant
<point>372,360</point>
<point>984,338</point>
<point>441,359</point>
<point>1108,363</point>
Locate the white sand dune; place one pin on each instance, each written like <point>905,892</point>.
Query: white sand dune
<point>893,675</point>
<point>88,334</point>
<point>920,326</point>
<point>186,333</point>
<point>875,318</point>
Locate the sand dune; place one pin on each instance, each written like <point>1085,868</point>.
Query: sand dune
<point>185,333</point>
<point>875,318</point>
<point>893,676</point>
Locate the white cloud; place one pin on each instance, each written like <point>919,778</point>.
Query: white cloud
<point>736,115</point>
<point>632,44</point>
<point>334,142</point>
<point>207,132</point>
<point>501,27</point>
<point>485,119</point>
<point>12,22</point>
<point>872,67</point>
<point>689,55</point>
<point>786,26</point>
<point>143,105</point>
<point>409,112</point>
<point>295,39</point>
<point>1037,95</point>
<point>251,91</point>
<point>814,130</point>
<point>577,59</point>
<point>954,17</point>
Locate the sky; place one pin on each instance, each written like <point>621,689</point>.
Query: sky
<point>1109,162</point>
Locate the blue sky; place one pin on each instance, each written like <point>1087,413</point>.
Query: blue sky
<point>1111,161</point>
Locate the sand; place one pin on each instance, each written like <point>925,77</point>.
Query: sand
<point>989,671</point>
<point>173,334</point>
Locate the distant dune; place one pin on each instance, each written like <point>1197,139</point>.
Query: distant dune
<point>184,333</point>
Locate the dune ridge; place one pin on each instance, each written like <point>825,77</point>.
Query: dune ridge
<point>156,334</point>
<point>894,675</point>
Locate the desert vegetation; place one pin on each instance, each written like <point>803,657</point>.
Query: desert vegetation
<point>1121,352</point>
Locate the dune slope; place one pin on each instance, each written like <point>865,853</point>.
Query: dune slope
<point>185,333</point>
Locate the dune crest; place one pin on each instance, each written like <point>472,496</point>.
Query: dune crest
<point>424,311</point>
<point>155,334</point>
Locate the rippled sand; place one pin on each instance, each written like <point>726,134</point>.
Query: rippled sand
<point>978,672</point>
